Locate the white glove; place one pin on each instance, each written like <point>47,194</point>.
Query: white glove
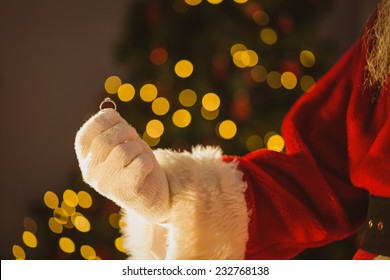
<point>121,166</point>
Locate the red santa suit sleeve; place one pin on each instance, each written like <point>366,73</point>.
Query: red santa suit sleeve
<point>304,197</point>
<point>273,205</point>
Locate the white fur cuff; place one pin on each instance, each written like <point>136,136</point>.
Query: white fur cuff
<point>209,217</point>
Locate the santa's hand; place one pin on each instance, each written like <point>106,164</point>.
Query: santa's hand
<point>121,166</point>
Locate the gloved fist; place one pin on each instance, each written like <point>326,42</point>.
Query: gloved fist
<point>116,162</point>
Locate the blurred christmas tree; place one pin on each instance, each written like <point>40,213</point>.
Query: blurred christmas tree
<point>198,72</point>
<point>223,72</point>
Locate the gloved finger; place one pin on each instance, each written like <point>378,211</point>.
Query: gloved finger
<point>98,123</point>
<point>103,144</point>
<point>122,155</point>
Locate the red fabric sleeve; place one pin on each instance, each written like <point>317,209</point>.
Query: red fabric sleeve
<point>304,198</point>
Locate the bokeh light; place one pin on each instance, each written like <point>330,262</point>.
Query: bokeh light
<point>150,140</point>
<point>181,118</point>
<point>275,143</point>
<point>18,252</point>
<point>260,17</point>
<point>154,128</point>
<point>273,79</point>
<point>87,252</point>
<point>307,58</point>
<point>69,210</point>
<point>70,198</point>
<point>237,48</point>
<point>240,1</point>
<point>209,115</point>
<point>119,244</point>
<point>184,68</point>
<point>81,223</point>
<point>114,220</point>
<point>289,80</point>
<point>112,84</point>
<point>227,129</point>
<point>55,226</point>
<point>84,199</point>
<point>245,58</point>
<point>193,2</point>
<point>268,36</point>
<point>60,215</point>
<point>158,56</point>
<point>215,2</point>
<point>67,245</point>
<point>211,101</point>
<point>187,97</point>
<point>51,200</point>
<point>307,83</point>
<point>160,106</point>
<point>126,92</point>
<point>30,239</point>
<point>259,73</point>
<point>148,92</point>
<point>253,143</point>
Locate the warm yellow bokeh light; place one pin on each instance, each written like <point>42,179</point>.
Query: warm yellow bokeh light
<point>160,106</point>
<point>211,101</point>
<point>60,215</point>
<point>209,115</point>
<point>307,58</point>
<point>112,84</point>
<point>187,97</point>
<point>155,128</point>
<point>193,2</point>
<point>239,59</point>
<point>253,58</point>
<point>181,118</point>
<point>268,36</point>
<point>119,245</point>
<point>51,200</point>
<point>85,199</point>
<point>227,129</point>
<point>253,143</point>
<point>148,92</point>
<point>69,210</point>
<point>237,48</point>
<point>275,143</point>
<point>18,252</point>
<point>240,1</point>
<point>126,92</point>
<point>122,223</point>
<point>259,73</point>
<point>81,223</point>
<point>215,2</point>
<point>70,198</point>
<point>245,58</point>
<point>273,79</point>
<point>289,80</point>
<point>260,17</point>
<point>30,239</point>
<point>55,226</point>
<point>307,83</point>
<point>67,245</point>
<point>150,140</point>
<point>114,220</point>
<point>184,68</point>
<point>87,252</point>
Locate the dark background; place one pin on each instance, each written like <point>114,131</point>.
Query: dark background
<point>54,58</point>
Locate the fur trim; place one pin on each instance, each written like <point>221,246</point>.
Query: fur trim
<point>209,217</point>
<point>380,257</point>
